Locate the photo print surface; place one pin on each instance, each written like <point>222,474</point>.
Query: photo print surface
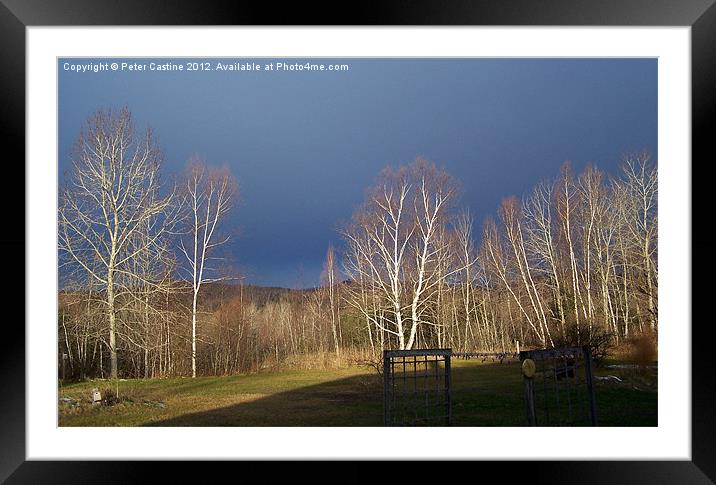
<point>357,242</point>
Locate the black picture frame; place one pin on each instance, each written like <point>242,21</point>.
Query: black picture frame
<point>16,15</point>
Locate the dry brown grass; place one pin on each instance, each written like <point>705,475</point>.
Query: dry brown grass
<point>324,360</point>
<point>642,349</point>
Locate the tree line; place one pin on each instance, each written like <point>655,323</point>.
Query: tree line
<point>573,262</point>
<point>118,229</point>
<point>144,293</point>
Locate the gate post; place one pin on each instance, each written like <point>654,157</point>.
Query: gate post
<point>590,384</point>
<point>530,399</point>
<point>447,389</point>
<point>386,389</point>
<point>528,372</point>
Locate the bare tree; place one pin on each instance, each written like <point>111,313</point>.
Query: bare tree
<point>465,255</point>
<point>604,244</point>
<point>113,193</point>
<point>143,290</point>
<point>498,259</point>
<point>435,192</point>
<point>360,293</point>
<point>397,246</point>
<point>379,237</point>
<point>329,276</point>
<point>567,202</point>
<point>539,226</point>
<point>512,221</point>
<point>640,211</point>
<point>208,197</point>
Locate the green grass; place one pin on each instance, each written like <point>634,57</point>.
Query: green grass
<point>483,395</point>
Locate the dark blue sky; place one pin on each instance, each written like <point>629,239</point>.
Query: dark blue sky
<point>305,145</point>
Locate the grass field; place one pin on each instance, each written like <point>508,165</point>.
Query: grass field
<point>483,395</point>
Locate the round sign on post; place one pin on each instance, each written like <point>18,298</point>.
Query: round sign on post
<point>528,368</point>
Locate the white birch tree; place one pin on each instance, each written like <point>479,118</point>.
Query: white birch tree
<point>113,193</point>
<point>397,245</point>
<point>208,197</point>
<point>329,277</point>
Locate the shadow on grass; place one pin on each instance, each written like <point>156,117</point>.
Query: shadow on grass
<point>482,395</point>
<point>350,401</point>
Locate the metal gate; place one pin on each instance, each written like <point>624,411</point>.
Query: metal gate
<point>416,387</point>
<point>559,387</point>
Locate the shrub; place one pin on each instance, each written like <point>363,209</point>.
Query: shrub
<point>643,349</point>
<point>600,341</point>
<point>109,396</point>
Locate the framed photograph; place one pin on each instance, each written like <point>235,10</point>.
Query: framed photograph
<point>421,232</point>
